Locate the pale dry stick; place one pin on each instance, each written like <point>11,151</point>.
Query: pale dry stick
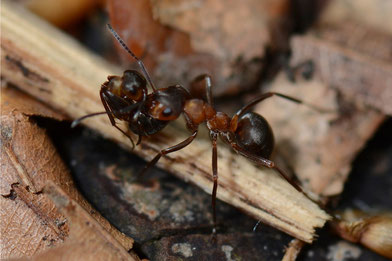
<point>55,69</point>
<point>292,251</point>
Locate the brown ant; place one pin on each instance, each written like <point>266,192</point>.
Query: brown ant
<point>126,98</point>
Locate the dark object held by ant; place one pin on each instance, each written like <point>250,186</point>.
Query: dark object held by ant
<point>126,98</point>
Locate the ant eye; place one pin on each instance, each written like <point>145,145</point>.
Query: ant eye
<point>167,112</point>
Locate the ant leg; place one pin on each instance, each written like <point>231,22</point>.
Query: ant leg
<point>174,148</point>
<point>197,87</point>
<point>214,137</point>
<point>111,118</point>
<point>269,164</point>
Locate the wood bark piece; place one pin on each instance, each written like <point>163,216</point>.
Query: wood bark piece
<point>56,70</point>
<point>318,147</point>
<point>30,223</point>
<point>353,57</point>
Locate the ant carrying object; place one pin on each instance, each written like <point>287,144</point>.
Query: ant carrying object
<point>126,98</point>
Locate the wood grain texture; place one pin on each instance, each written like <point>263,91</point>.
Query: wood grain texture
<point>55,69</point>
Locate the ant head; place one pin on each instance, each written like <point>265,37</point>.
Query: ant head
<point>166,104</point>
<point>134,85</point>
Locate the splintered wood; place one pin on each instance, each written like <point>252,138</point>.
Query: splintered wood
<point>55,69</point>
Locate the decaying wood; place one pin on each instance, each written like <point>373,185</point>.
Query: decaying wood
<point>30,222</point>
<point>318,147</point>
<point>55,69</point>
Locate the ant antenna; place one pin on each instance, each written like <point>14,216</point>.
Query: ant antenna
<point>118,38</point>
<point>77,121</point>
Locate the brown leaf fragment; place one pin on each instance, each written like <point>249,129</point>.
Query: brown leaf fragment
<point>30,222</point>
<point>87,240</point>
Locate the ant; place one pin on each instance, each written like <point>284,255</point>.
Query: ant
<point>126,98</point>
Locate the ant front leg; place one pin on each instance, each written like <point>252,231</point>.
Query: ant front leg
<point>174,148</point>
<point>110,114</point>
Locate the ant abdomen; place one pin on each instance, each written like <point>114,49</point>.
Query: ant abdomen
<point>255,135</point>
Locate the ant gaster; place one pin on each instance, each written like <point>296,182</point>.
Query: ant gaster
<point>126,98</point>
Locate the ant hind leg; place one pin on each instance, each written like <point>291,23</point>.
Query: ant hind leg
<point>269,164</point>
<point>214,137</point>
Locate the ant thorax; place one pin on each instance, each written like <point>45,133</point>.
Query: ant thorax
<point>198,112</point>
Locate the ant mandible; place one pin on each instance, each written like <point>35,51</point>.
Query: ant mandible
<point>126,98</point>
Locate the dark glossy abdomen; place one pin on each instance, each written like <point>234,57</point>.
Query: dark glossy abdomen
<point>255,135</point>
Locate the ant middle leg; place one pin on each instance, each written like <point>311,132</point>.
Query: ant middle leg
<point>166,151</point>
